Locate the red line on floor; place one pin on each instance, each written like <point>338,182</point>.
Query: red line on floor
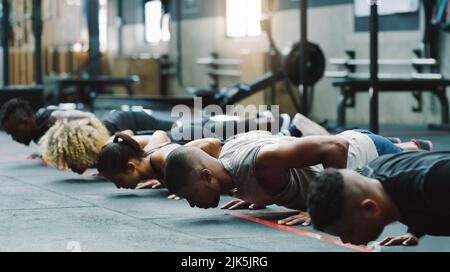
<point>269,212</point>
<point>267,223</point>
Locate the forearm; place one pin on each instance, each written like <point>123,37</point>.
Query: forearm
<point>331,152</point>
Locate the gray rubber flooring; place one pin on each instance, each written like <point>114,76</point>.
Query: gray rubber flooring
<point>42,209</point>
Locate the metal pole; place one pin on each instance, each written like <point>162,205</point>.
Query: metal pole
<point>5,43</point>
<point>92,13</point>
<point>37,33</point>
<point>304,55</point>
<point>179,43</point>
<point>374,92</point>
<point>120,16</point>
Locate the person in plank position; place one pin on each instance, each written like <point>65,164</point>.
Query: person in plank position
<point>265,169</point>
<point>411,187</point>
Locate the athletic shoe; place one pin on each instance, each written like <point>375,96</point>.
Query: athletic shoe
<point>306,127</point>
<point>423,144</point>
<point>265,115</point>
<point>285,122</point>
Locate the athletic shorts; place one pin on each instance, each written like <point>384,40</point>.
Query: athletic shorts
<point>383,145</point>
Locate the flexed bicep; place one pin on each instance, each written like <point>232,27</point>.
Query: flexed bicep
<point>330,151</point>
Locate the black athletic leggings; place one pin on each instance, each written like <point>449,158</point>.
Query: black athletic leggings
<point>142,123</point>
<point>218,130</point>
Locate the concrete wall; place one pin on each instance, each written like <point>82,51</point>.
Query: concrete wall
<point>331,26</point>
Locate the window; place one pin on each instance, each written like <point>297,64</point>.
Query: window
<point>103,25</point>
<point>243,18</point>
<point>73,2</point>
<point>156,22</point>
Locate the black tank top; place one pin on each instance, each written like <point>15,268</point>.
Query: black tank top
<point>42,117</point>
<point>419,184</point>
<point>158,172</point>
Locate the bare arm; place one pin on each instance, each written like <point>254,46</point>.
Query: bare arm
<point>209,145</point>
<point>330,151</point>
<point>274,161</point>
<point>157,139</point>
<point>146,142</point>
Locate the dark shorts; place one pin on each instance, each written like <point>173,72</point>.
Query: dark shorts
<point>118,121</point>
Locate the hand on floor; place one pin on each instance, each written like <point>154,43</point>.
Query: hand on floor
<point>98,176</point>
<point>238,204</point>
<point>405,240</point>
<point>149,184</point>
<point>302,218</point>
<point>174,197</point>
<point>34,156</point>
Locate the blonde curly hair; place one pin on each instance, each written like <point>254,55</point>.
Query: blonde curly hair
<point>74,143</point>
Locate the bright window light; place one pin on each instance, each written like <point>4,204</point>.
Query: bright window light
<point>73,2</point>
<point>156,23</point>
<point>103,22</point>
<point>165,27</point>
<point>243,18</point>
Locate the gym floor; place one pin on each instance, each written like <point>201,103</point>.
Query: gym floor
<point>42,209</point>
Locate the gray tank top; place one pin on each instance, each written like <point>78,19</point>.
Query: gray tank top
<point>238,157</point>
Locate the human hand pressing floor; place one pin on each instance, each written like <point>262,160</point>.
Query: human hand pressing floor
<point>301,218</point>
<point>404,240</point>
<point>174,197</point>
<point>34,156</point>
<point>238,204</point>
<point>149,184</point>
